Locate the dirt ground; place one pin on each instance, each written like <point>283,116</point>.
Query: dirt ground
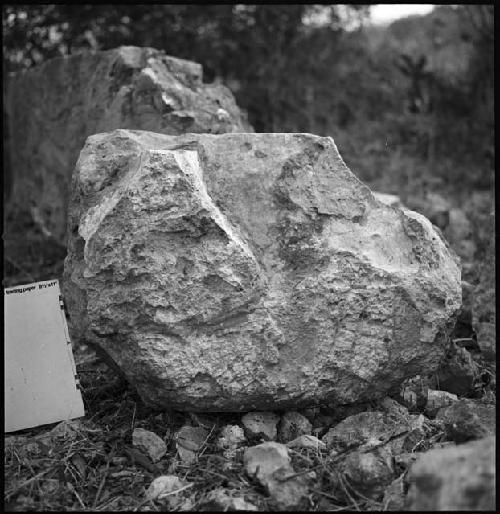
<point>92,465</point>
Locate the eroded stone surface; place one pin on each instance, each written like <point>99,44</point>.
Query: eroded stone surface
<point>250,271</point>
<point>52,108</point>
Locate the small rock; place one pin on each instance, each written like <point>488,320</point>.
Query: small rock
<point>264,459</point>
<point>465,420</point>
<point>231,436</point>
<point>270,463</point>
<point>189,441</point>
<point>396,430</point>
<point>220,499</point>
<point>163,485</point>
<point>150,443</point>
<point>288,493</point>
<point>80,464</point>
<point>394,496</point>
<point>457,478</point>
<point>457,374</point>
<point>192,438</point>
<point>438,399</point>
<point>261,424</point>
<point>307,441</point>
<point>363,429</point>
<point>293,425</point>
<point>368,472</point>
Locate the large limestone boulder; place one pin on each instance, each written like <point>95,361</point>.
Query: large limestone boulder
<point>54,107</point>
<point>250,271</point>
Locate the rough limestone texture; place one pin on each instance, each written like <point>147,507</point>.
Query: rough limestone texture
<point>247,272</point>
<point>52,108</point>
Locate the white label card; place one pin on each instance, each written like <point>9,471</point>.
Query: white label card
<point>40,372</point>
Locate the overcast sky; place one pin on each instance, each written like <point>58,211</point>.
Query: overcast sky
<point>385,13</point>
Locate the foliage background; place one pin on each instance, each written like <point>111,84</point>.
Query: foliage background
<point>406,103</point>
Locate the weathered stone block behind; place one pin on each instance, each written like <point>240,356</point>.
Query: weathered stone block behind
<point>54,107</point>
